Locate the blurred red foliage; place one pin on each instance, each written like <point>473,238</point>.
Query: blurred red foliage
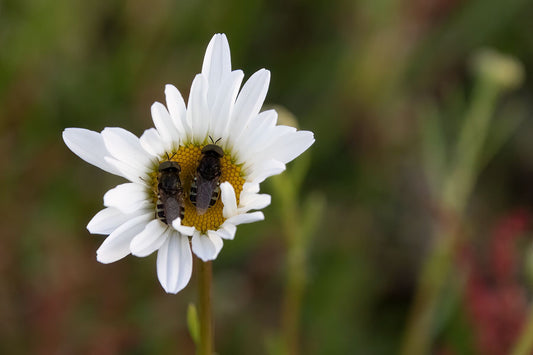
<point>495,296</point>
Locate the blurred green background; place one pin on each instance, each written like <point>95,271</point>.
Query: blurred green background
<point>364,76</point>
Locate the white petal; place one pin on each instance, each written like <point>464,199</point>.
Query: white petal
<point>281,130</point>
<point>206,247</point>
<point>246,218</point>
<point>125,146</point>
<point>107,220</point>
<point>268,135</point>
<point>257,135</point>
<point>265,169</point>
<point>249,102</point>
<point>227,231</point>
<point>258,146</point>
<point>229,200</point>
<point>131,173</point>
<point>152,142</point>
<point>217,241</point>
<point>289,146</point>
<point>250,188</point>
<point>269,117</point>
<point>89,146</point>
<point>253,202</point>
<point>217,63</point>
<point>150,239</point>
<point>176,224</point>
<point>166,128</point>
<point>127,197</point>
<point>177,110</point>
<point>198,111</point>
<point>264,122</point>
<point>223,106</point>
<point>174,263</point>
<point>117,245</point>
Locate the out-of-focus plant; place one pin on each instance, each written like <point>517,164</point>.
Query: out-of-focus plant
<point>300,214</point>
<point>495,299</point>
<point>452,177</point>
<point>177,169</point>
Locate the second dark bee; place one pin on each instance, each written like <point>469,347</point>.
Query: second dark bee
<point>169,192</point>
<point>205,186</point>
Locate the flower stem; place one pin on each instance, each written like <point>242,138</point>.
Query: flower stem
<point>204,271</point>
<point>457,188</point>
<point>292,299</point>
<point>295,279</point>
<point>299,223</point>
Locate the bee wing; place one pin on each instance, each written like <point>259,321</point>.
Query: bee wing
<point>173,209</point>
<point>204,193</point>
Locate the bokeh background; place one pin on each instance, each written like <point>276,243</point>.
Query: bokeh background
<point>365,77</point>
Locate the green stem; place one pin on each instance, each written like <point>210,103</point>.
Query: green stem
<point>294,288</point>
<point>467,159</point>
<point>457,189</point>
<point>432,281</point>
<point>204,271</point>
<point>295,279</point>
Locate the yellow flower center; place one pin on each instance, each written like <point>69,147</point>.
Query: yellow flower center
<point>188,158</point>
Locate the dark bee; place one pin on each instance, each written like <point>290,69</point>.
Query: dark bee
<point>205,186</point>
<point>169,192</point>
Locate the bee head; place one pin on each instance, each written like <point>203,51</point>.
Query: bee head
<point>169,165</point>
<point>213,149</point>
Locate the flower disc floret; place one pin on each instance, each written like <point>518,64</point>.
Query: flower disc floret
<point>255,148</point>
<point>188,157</point>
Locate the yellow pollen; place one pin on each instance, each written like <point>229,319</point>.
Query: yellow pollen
<point>188,158</point>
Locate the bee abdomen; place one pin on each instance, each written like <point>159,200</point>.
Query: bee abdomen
<point>160,212</point>
<point>194,190</point>
<point>214,196</point>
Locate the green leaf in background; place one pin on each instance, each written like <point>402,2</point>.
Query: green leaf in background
<point>193,323</point>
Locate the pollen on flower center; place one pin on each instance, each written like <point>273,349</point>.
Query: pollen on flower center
<point>188,157</point>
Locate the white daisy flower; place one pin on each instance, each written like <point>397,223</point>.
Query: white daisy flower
<point>137,218</point>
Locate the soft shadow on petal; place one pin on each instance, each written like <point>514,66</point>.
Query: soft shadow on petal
<point>127,197</point>
<point>108,219</point>
<point>250,188</point>
<point>197,110</point>
<point>89,146</point>
<point>185,230</point>
<point>253,202</point>
<point>206,247</point>
<point>150,239</point>
<point>217,63</point>
<point>178,112</point>
<point>257,136</point>
<point>174,263</point>
<point>229,200</point>
<point>265,169</point>
<point>152,142</point>
<point>246,218</point>
<point>125,147</point>
<point>164,125</point>
<point>222,108</point>
<point>227,231</point>
<point>217,241</point>
<point>288,146</point>
<point>249,102</point>
<point>117,245</point>
<point>131,173</point>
